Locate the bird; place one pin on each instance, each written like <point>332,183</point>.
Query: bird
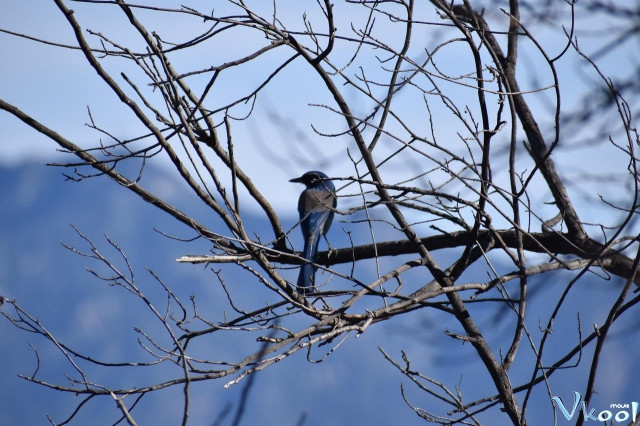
<point>316,206</point>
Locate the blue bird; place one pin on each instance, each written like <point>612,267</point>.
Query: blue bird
<point>316,206</point>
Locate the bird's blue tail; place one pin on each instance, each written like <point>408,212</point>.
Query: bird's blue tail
<point>306,278</point>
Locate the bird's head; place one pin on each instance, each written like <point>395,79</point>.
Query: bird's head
<point>311,178</point>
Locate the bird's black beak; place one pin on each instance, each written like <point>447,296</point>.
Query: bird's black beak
<point>298,180</point>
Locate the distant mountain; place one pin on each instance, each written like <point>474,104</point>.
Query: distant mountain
<point>52,284</point>
<point>355,382</point>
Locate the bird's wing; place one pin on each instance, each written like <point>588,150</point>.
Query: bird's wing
<point>314,207</point>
